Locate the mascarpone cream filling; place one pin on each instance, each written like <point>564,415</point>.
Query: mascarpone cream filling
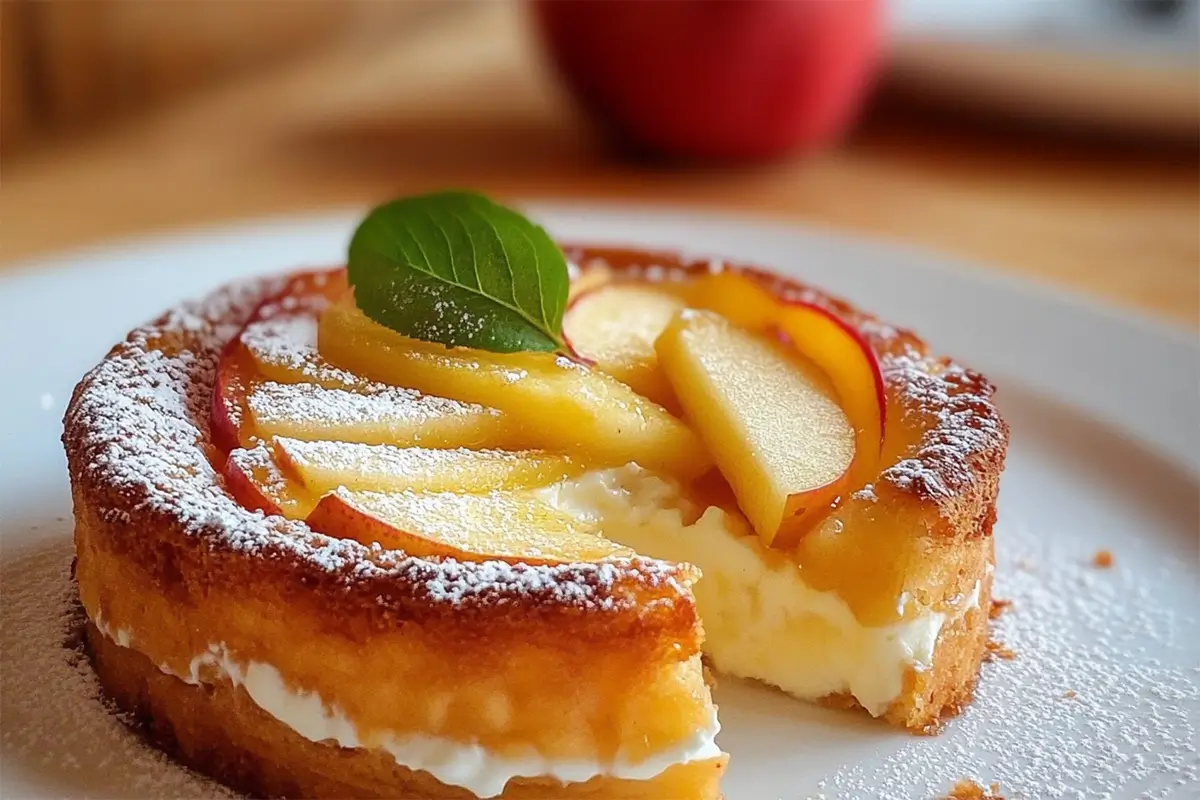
<point>761,620</point>
<point>470,766</point>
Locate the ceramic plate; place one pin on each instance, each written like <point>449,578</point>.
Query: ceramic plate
<point>1099,699</point>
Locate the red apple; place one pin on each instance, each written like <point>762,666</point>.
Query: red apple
<point>716,79</point>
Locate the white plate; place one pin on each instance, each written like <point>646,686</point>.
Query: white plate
<point>1105,454</point>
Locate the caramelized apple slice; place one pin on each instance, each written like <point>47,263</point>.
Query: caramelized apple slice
<point>281,336</point>
<point>821,336</point>
<point>255,480</point>
<point>770,418</point>
<point>614,327</point>
<point>852,367</point>
<point>469,527</point>
<point>558,404</point>
<point>737,298</point>
<point>284,349</point>
<point>303,292</point>
<point>324,466</point>
<point>399,417</point>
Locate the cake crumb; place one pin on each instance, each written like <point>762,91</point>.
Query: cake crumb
<point>998,608</point>
<point>1070,693</point>
<point>967,789</point>
<point>1103,559</point>
<point>997,650</point>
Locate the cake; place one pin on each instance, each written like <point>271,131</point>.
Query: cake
<point>320,557</point>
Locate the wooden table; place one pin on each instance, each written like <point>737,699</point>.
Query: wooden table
<point>466,103</point>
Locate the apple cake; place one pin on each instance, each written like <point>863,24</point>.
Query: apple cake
<point>320,558</point>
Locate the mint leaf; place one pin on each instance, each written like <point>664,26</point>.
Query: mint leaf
<point>458,269</point>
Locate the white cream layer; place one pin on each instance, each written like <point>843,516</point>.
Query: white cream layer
<point>761,620</point>
<point>470,766</point>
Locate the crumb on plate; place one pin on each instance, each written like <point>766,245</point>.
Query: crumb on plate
<point>967,789</point>
<point>998,608</point>
<point>997,650</point>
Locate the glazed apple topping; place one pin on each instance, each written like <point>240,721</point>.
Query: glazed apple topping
<point>501,526</point>
<point>371,426</point>
<point>323,466</point>
<point>614,327</point>
<point>770,417</point>
<point>556,403</point>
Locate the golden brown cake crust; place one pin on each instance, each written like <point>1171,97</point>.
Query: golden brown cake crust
<point>218,730</point>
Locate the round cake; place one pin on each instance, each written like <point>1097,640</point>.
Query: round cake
<point>273,625</point>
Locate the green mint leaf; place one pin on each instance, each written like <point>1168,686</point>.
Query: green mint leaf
<point>458,269</point>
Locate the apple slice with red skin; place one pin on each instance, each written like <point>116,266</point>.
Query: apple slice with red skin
<point>612,327</point>
<point>847,358</point>
<point>501,526</point>
<point>229,420</point>
<point>771,419</point>
<point>302,293</point>
<point>255,479</point>
<point>820,335</point>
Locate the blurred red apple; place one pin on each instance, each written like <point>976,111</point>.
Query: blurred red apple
<point>716,79</point>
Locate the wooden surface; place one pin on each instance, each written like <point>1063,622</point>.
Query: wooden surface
<point>465,102</point>
<point>74,64</point>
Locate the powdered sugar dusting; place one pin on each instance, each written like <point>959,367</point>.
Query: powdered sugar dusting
<point>383,467</point>
<point>56,727</point>
<point>1081,711</point>
<point>286,346</point>
<point>964,425</point>
<point>298,404</point>
<point>133,426</point>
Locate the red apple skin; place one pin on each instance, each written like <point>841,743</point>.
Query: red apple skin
<point>245,490</point>
<point>308,292</point>
<point>868,355</point>
<point>587,293</point>
<point>573,353</point>
<point>725,80</point>
<point>227,407</point>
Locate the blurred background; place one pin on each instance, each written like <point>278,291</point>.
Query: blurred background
<point>1058,139</point>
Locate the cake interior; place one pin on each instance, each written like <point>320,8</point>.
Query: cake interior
<point>761,619</point>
